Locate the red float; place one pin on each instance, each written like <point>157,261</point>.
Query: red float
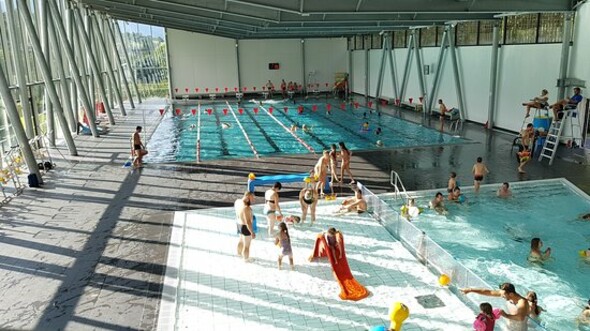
<point>270,109</point>
<point>217,89</point>
<point>226,89</point>
<point>245,89</point>
<point>241,111</point>
<point>224,111</point>
<point>342,106</point>
<point>255,110</point>
<point>327,84</point>
<point>178,111</point>
<point>206,89</point>
<point>356,105</point>
<point>314,107</point>
<point>235,89</point>
<point>328,107</point>
<point>411,99</point>
<point>197,89</point>
<point>254,88</point>
<point>285,109</point>
<point>186,89</point>
<point>397,102</point>
<point>209,111</point>
<point>300,109</point>
<point>194,111</point>
<point>421,99</point>
<point>384,102</point>
<point>161,111</point>
<point>370,104</point>
<point>176,89</point>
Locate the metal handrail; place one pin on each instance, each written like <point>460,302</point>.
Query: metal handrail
<point>396,182</point>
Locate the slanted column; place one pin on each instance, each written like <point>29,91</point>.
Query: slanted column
<point>25,15</point>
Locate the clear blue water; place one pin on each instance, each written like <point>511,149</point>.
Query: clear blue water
<point>491,237</point>
<point>175,138</point>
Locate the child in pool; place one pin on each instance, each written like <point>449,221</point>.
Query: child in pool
<point>283,241</point>
<point>536,255</point>
<point>486,320</point>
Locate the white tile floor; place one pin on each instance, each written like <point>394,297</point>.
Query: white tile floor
<point>208,287</point>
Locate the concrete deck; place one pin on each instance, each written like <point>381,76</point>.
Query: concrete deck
<point>88,250</point>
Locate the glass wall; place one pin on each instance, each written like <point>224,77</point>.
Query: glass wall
<point>519,29</point>
<point>146,62</point>
<point>147,48</point>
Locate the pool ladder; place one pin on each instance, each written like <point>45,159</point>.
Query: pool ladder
<point>398,186</point>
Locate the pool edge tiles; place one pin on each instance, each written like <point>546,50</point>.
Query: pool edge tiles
<point>212,291</point>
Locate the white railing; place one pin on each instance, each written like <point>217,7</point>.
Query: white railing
<point>431,254</point>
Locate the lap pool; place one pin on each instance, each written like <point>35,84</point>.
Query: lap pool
<point>229,130</point>
<point>491,237</point>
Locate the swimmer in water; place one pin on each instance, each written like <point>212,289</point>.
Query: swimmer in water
<point>379,143</point>
<point>305,128</point>
<point>193,126</point>
<point>585,217</point>
<point>225,125</point>
<point>378,131</point>
<point>366,126</point>
<point>294,128</point>
<point>536,255</point>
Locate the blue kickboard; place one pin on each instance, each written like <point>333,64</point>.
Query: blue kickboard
<point>289,178</point>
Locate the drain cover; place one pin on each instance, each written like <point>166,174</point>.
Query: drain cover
<point>430,301</point>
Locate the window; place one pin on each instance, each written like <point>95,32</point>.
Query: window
<point>376,41</point>
<point>551,28</point>
<point>428,37</point>
<point>358,42</point>
<point>486,29</point>
<point>466,33</point>
<point>521,29</point>
<point>399,39</point>
<point>441,31</point>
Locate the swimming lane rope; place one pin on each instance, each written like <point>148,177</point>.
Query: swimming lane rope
<point>291,132</point>
<point>199,133</point>
<point>243,131</point>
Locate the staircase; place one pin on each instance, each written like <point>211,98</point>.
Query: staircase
<point>555,133</point>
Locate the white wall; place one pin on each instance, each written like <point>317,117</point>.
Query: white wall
<point>199,60</point>
<point>580,52</point>
<point>358,72</point>
<point>255,55</point>
<point>324,58</point>
<point>523,71</point>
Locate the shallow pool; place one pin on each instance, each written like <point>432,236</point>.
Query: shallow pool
<point>241,131</point>
<point>491,236</point>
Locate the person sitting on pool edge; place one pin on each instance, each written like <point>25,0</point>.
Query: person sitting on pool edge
<point>356,203</point>
<point>437,204</point>
<point>536,255</point>
<point>504,191</point>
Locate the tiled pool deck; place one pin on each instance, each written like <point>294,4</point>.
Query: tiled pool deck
<point>209,286</point>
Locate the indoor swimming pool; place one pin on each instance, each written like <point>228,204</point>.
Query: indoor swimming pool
<point>251,129</point>
<point>491,237</point>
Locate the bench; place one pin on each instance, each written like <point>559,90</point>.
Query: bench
<point>290,178</point>
<point>415,106</point>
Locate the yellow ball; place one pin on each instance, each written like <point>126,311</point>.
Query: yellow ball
<point>251,176</point>
<point>444,280</point>
<point>307,180</point>
<point>316,177</point>
<point>582,253</point>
